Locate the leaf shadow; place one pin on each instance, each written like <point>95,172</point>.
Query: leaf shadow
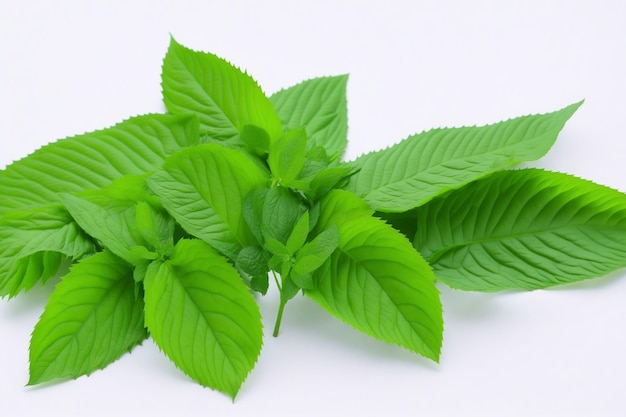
<point>32,302</point>
<point>467,305</point>
<point>305,315</point>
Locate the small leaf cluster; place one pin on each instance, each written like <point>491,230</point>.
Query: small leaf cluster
<point>170,226</point>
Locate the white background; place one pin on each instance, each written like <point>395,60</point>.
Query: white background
<point>67,67</point>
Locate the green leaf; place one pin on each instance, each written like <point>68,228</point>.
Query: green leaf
<point>224,98</point>
<point>155,228</point>
<point>329,178</point>
<point>316,252</point>
<point>319,105</point>
<point>260,283</point>
<point>92,318</point>
<point>203,317</point>
<point>203,188</point>
<point>281,211</point>
<point>298,234</point>
<point>253,260</point>
<point>93,160</point>
<point>256,139</point>
<point>109,226</point>
<point>429,164</point>
<point>375,280</point>
<point>252,211</point>
<point>35,244</point>
<point>286,157</point>
<point>523,229</point>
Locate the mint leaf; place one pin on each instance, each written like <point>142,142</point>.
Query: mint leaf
<point>318,105</point>
<point>281,211</point>
<point>92,318</point>
<point>256,138</point>
<point>125,217</point>
<point>299,234</point>
<point>109,226</point>
<point>327,179</point>
<point>312,255</point>
<point>155,228</point>
<point>37,243</point>
<point>375,280</point>
<point>224,98</point>
<point>253,260</point>
<point>523,229</point>
<point>202,316</point>
<point>203,188</point>
<point>93,160</point>
<point>286,157</point>
<point>426,165</point>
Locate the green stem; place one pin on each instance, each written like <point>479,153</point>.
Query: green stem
<point>279,316</point>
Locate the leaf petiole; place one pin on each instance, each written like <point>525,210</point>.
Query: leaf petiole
<point>281,307</point>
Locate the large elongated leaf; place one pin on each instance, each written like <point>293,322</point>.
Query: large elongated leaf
<point>318,105</point>
<point>35,244</point>
<point>428,164</point>
<point>203,188</point>
<point>523,229</point>
<point>93,160</point>
<point>203,317</point>
<point>375,280</point>
<point>224,98</point>
<point>92,318</point>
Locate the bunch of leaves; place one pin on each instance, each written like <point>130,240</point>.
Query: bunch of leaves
<point>169,225</point>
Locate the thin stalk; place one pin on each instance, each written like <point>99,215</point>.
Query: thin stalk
<point>279,316</point>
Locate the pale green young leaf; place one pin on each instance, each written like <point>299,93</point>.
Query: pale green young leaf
<point>35,244</point>
<point>286,157</point>
<point>91,319</point>
<point>203,188</point>
<point>154,227</point>
<point>129,188</point>
<point>276,247</point>
<point>93,160</point>
<point>224,98</point>
<point>429,164</point>
<point>375,280</point>
<point>316,252</point>
<point>298,234</point>
<point>319,105</point>
<point>329,178</point>
<point>203,317</point>
<point>523,229</point>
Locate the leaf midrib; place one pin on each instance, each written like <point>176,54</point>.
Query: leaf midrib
<point>502,238</point>
<point>496,152</point>
<point>212,101</point>
<point>407,320</point>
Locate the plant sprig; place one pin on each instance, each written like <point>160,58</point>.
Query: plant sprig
<point>170,225</point>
